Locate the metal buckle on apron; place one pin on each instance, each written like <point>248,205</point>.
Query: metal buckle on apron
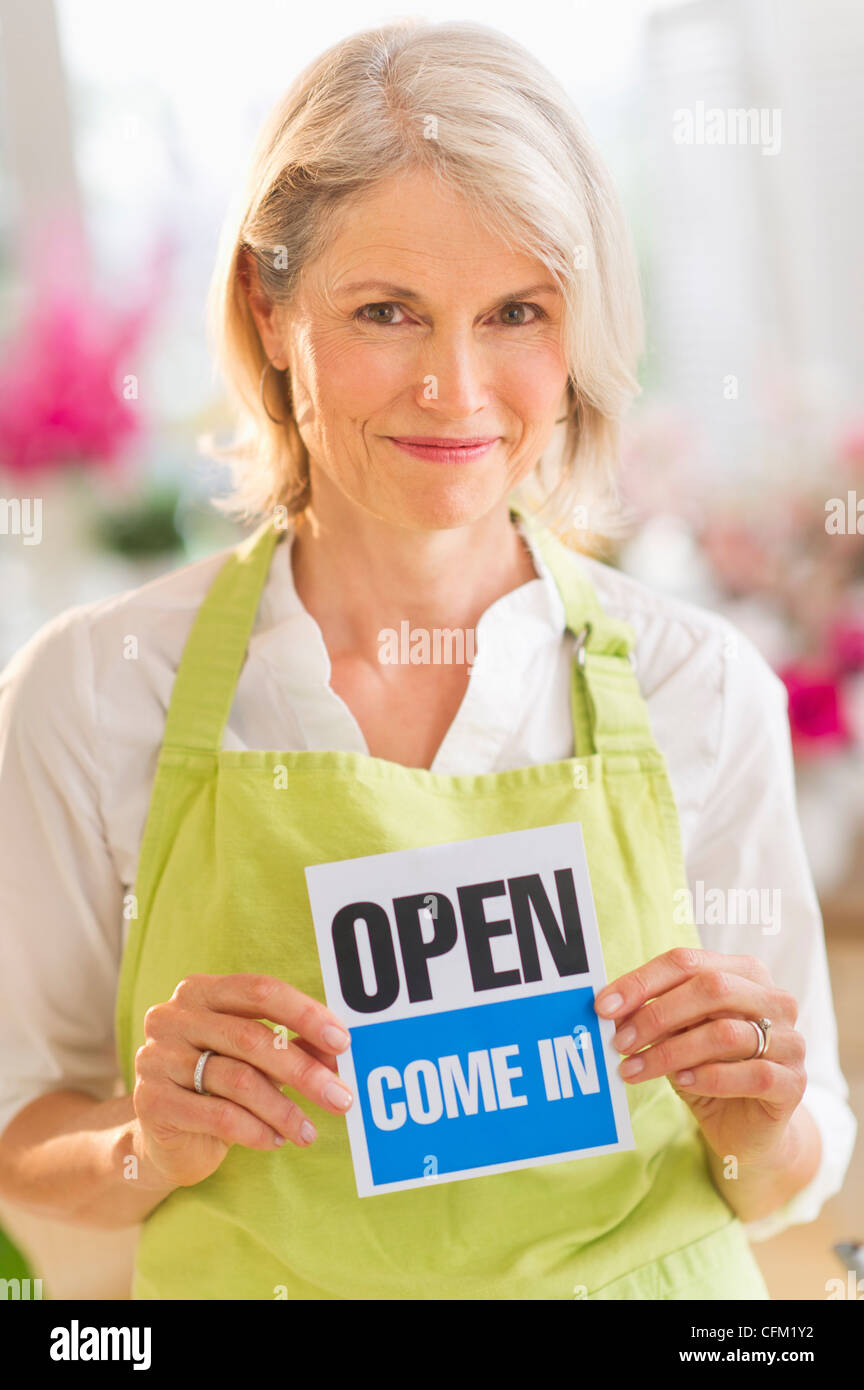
<point>581,639</point>
<point>581,645</point>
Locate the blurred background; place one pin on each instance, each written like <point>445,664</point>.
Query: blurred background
<point>123,133</point>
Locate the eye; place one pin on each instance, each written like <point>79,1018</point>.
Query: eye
<point>387,307</point>
<point>520,306</point>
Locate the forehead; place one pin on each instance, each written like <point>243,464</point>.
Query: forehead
<point>414,231</point>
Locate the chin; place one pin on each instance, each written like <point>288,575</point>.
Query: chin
<point>442,508</point>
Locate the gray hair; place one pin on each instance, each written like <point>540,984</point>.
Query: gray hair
<point>397,98</point>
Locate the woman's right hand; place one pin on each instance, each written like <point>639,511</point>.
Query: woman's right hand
<point>184,1135</point>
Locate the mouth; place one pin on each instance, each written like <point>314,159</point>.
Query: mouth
<point>443,449</point>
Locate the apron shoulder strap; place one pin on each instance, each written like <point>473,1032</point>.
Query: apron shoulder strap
<point>216,647</point>
<point>609,711</point>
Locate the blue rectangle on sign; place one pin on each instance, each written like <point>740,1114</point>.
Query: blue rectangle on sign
<point>476,1087</point>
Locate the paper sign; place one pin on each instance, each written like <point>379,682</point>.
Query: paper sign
<point>466,974</point>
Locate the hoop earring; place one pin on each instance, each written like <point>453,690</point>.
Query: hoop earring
<point>561,419</point>
<point>267,364</point>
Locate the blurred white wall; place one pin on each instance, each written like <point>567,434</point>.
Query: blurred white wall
<point>755,266</point>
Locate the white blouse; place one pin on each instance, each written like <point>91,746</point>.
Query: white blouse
<point>82,711</point>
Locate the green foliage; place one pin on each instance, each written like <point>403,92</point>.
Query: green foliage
<point>12,1263</point>
<point>149,527</point>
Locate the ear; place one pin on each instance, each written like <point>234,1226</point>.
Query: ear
<point>262,309</point>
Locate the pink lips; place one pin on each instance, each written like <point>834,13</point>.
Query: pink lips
<point>443,449</point>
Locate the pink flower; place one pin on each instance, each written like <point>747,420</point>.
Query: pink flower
<point>68,384</point>
<point>816,716</point>
<point>847,645</point>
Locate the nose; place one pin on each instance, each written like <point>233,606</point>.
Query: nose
<point>454,374</point>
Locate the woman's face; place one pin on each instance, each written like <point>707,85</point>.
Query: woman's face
<point>417,322</point>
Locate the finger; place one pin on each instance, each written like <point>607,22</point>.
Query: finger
<point>770,1082</point>
<point>260,1046</point>
<point>327,1059</point>
<point>253,1090</point>
<point>704,995</point>
<point>263,996</point>
<point>247,1040</point>
<point>620,997</point>
<point>720,1039</point>
<point>165,1105</point>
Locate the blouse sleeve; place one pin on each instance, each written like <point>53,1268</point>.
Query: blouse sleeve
<point>60,896</point>
<point>748,844</point>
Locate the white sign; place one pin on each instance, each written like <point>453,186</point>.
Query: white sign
<point>467,974</point>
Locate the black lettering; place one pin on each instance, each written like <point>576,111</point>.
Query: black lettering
<point>415,951</point>
<point>567,946</point>
<point>477,933</point>
<point>348,957</point>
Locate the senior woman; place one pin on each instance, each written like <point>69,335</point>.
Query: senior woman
<point>427,274</point>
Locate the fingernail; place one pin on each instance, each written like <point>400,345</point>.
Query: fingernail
<point>623,1040</point>
<point>684,1078</point>
<point>631,1066</point>
<point>337,1095</point>
<point>278,1139</point>
<point>335,1037</point>
<point>308,1132</point>
<point>610,1005</point>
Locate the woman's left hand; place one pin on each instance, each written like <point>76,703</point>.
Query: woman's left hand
<point>683,1015</point>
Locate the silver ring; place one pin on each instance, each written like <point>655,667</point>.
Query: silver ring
<point>763,1033</point>
<point>199,1072</point>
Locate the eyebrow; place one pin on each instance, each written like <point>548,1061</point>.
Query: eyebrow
<point>401,292</point>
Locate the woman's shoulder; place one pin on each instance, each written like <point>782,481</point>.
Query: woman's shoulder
<point>678,640</point>
<point>627,597</point>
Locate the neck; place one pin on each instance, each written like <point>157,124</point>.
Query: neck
<point>356,574</point>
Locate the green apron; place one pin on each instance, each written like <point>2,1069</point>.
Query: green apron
<point>221,889</point>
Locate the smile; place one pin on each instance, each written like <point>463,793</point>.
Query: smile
<point>443,450</point>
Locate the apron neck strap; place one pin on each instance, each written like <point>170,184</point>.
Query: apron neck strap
<point>609,713</point>
<point>216,647</point>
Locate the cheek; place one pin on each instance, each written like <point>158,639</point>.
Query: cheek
<point>353,379</point>
<point>534,380</point>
